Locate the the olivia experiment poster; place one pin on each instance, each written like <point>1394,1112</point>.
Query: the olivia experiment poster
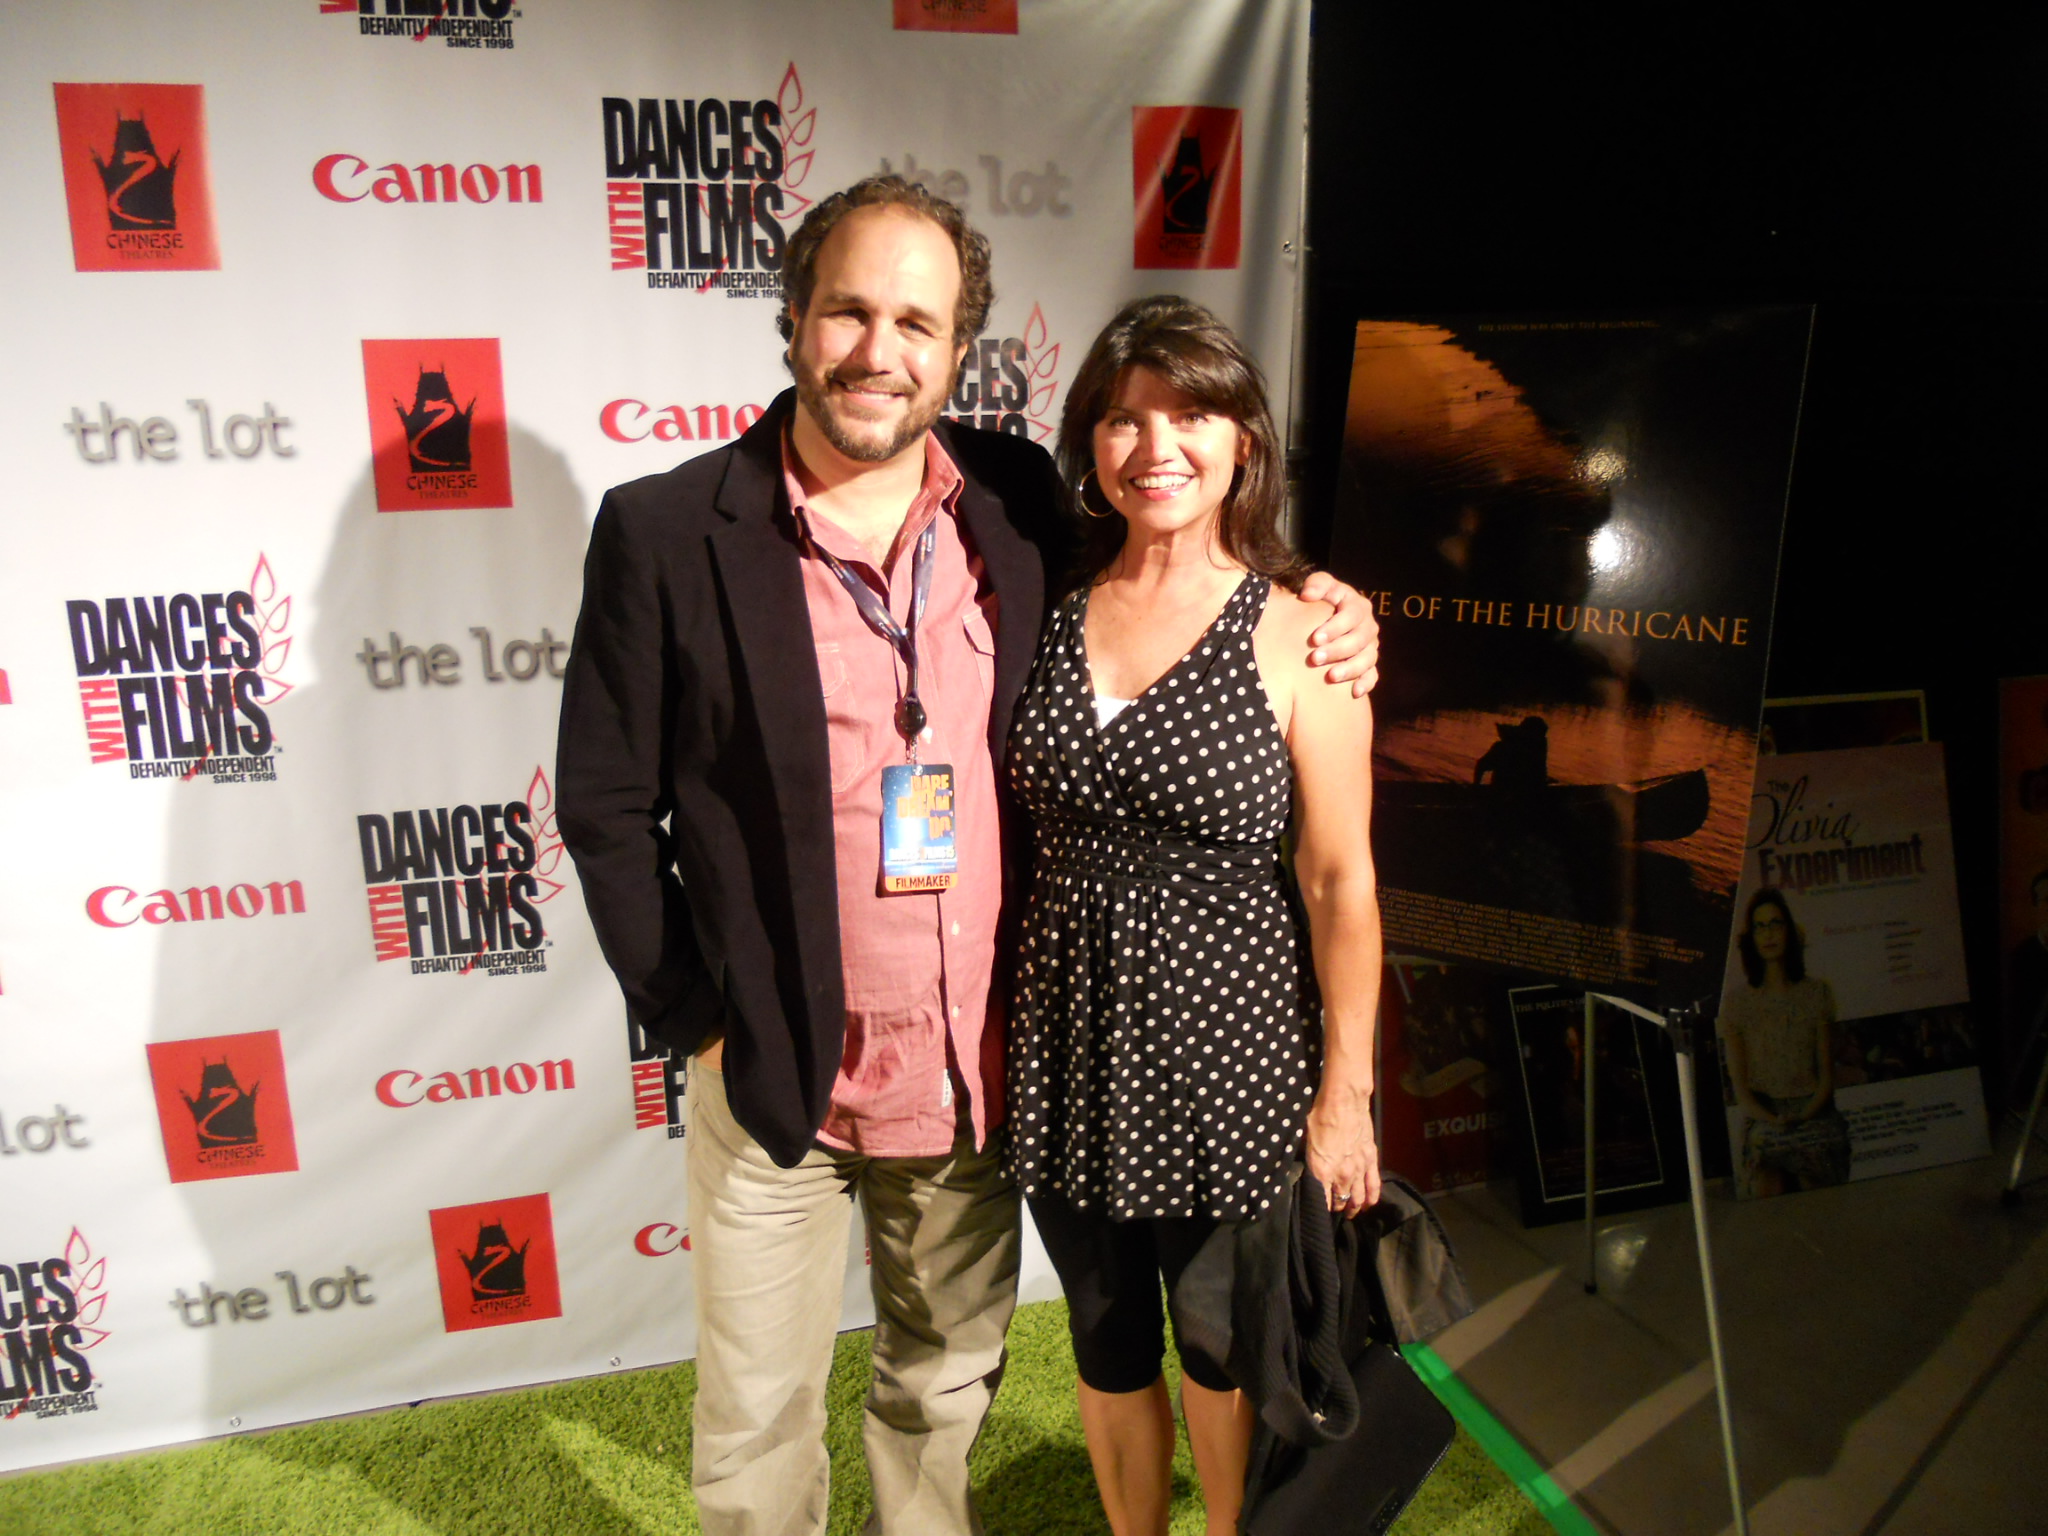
<point>1848,1046</point>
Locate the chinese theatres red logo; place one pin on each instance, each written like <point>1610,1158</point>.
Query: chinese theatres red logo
<point>135,177</point>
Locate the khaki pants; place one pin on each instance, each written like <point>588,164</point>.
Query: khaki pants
<point>768,1250</point>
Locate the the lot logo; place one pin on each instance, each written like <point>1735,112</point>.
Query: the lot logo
<point>440,664</point>
<point>437,424</point>
<point>1187,177</point>
<point>39,1133</point>
<point>251,1303</point>
<point>457,890</point>
<point>50,1310</point>
<point>1007,383</point>
<point>660,1073</point>
<point>701,192</point>
<point>496,1261</point>
<point>156,438</point>
<point>179,684</point>
<point>457,23</point>
<point>956,16</point>
<point>1031,192</point>
<point>135,177</point>
<point>222,1106</point>
<point>348,178</point>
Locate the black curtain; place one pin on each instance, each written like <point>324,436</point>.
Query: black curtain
<point>1464,159</point>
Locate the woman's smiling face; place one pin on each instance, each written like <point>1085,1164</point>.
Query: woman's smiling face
<point>1164,461</point>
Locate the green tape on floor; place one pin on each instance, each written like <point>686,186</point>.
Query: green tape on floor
<point>1493,1437</point>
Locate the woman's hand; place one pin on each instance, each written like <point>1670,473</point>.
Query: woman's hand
<point>1342,1153</point>
<point>1347,643</point>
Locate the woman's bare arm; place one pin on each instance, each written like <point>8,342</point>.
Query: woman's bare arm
<point>1329,737</point>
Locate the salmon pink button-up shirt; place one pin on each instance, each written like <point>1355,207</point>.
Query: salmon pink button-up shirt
<point>924,1036</point>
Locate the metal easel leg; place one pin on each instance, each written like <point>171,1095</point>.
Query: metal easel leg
<point>2011,1193</point>
<point>1586,1078</point>
<point>1699,1226</point>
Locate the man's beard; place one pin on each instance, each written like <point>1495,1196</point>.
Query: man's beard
<point>813,393</point>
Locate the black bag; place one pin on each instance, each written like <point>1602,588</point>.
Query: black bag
<point>1321,1478</point>
<point>1420,1281</point>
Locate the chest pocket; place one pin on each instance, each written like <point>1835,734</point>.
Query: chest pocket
<point>982,641</point>
<point>849,733</point>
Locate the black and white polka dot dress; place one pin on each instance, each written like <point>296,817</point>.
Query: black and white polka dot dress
<point>1165,1039</point>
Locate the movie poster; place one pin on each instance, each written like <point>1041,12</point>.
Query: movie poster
<point>2023,873</point>
<point>1845,1035</point>
<point>1570,529</point>
<point>1441,1038</point>
<point>1638,1159</point>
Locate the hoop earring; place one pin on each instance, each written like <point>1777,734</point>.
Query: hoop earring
<point>1090,511</point>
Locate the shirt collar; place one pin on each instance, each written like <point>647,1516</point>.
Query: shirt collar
<point>940,491</point>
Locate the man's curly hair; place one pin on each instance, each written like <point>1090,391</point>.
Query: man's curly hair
<point>800,260</point>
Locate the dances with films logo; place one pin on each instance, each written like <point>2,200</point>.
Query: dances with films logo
<point>1007,383</point>
<point>1187,185</point>
<point>437,424</point>
<point>135,177</point>
<point>496,1262</point>
<point>50,1313</point>
<point>179,684</point>
<point>222,1106</point>
<point>454,23</point>
<point>458,889</point>
<point>701,191</point>
<point>661,1073</point>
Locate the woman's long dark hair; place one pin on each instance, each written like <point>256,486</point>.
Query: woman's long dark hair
<point>1795,947</point>
<point>1195,353</point>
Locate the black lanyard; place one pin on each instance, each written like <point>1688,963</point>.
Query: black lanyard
<point>910,715</point>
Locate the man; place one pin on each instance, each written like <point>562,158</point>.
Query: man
<point>740,710</point>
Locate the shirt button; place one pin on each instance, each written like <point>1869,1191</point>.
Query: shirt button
<point>956,930</point>
<point>956,1010</point>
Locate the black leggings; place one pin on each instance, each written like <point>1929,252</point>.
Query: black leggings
<point>1111,1271</point>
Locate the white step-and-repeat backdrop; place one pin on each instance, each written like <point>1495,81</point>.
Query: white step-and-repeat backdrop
<point>328,324</point>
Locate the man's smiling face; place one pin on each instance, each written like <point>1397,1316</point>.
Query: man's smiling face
<point>874,355</point>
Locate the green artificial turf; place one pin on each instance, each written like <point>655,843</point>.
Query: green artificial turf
<point>611,1454</point>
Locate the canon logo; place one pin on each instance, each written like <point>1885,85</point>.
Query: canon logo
<point>628,421</point>
<point>404,1088</point>
<point>114,906</point>
<point>347,179</point>
<point>659,1238</point>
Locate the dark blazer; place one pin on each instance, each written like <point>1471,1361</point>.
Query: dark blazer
<point>694,775</point>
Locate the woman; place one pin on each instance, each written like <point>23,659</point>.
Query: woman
<point>1168,1050</point>
<point>1781,1059</point>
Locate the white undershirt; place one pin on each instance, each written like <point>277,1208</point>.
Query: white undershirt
<point>1107,709</point>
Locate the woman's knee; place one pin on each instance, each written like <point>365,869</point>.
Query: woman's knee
<point>1202,1369</point>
